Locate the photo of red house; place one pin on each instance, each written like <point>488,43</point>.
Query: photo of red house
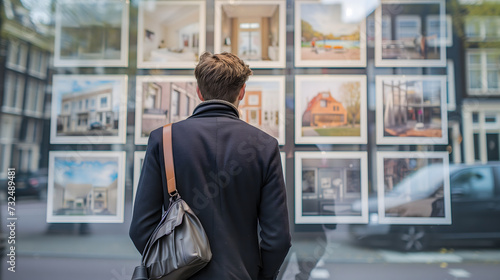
<point>324,111</point>
<point>329,109</point>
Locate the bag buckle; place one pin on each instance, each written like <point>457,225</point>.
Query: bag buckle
<point>174,193</point>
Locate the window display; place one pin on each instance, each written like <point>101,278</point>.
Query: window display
<point>413,188</point>
<point>386,111</point>
<point>327,37</point>
<point>411,110</point>
<point>253,30</point>
<point>88,109</point>
<point>91,33</point>
<point>170,34</point>
<point>330,109</point>
<point>86,187</point>
<point>331,187</point>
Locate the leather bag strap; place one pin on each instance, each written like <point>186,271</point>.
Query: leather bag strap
<point>169,159</point>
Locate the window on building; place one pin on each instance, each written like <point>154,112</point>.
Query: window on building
<point>482,28</point>
<point>483,67</point>
<point>38,63</point>
<point>322,103</point>
<point>175,103</point>
<point>187,111</point>
<point>18,53</point>
<point>103,102</point>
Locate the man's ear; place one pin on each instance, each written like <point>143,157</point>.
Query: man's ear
<point>199,94</point>
<point>242,92</point>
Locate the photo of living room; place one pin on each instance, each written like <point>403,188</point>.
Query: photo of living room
<point>255,31</point>
<point>170,34</point>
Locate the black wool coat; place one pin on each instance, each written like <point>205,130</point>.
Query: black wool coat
<point>230,174</point>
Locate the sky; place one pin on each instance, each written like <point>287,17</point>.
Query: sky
<point>75,86</point>
<point>100,172</point>
<point>338,13</point>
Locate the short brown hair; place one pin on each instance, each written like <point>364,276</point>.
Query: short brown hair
<point>221,76</point>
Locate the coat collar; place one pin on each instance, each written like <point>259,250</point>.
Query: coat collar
<point>216,108</point>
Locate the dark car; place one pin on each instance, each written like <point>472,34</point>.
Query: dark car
<point>96,126</point>
<point>475,211</point>
<point>30,184</point>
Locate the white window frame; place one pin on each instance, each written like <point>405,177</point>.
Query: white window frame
<point>17,56</point>
<point>481,127</point>
<point>482,20</point>
<point>484,72</point>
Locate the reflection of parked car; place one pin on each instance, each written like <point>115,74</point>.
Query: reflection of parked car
<point>96,125</point>
<point>475,212</point>
<point>32,184</point>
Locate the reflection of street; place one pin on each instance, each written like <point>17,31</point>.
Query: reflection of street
<point>106,252</point>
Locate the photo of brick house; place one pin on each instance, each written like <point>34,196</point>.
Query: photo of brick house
<point>324,111</point>
<point>329,109</point>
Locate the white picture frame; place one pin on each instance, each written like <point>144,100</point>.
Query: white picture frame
<point>418,124</point>
<point>249,12</point>
<point>330,85</point>
<point>89,53</point>
<point>138,161</point>
<point>75,193</point>
<point>419,186</point>
<point>174,41</point>
<point>329,189</point>
<point>344,53</point>
<point>88,109</point>
<point>160,100</point>
<point>405,52</point>
<point>268,110</point>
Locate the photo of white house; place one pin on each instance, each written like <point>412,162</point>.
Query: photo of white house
<point>171,34</point>
<point>88,106</point>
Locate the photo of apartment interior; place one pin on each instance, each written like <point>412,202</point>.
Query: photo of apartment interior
<point>406,34</point>
<point>171,32</point>
<point>89,109</point>
<point>412,108</point>
<point>89,33</point>
<point>85,199</point>
<point>330,186</point>
<point>166,102</point>
<point>251,31</point>
<point>260,107</point>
